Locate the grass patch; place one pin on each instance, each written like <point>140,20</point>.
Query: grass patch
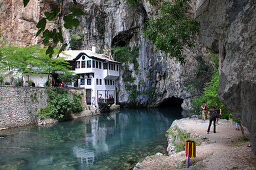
<point>179,138</point>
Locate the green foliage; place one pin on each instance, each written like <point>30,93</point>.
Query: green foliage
<point>179,138</point>
<point>31,60</point>
<point>54,36</point>
<point>196,81</point>
<point>1,79</point>
<point>100,24</point>
<point>210,96</point>
<point>133,3</point>
<point>65,78</point>
<point>7,83</point>
<point>76,41</point>
<point>30,82</point>
<point>60,106</point>
<point>150,92</point>
<point>133,93</point>
<point>126,54</point>
<point>18,82</point>
<point>172,28</point>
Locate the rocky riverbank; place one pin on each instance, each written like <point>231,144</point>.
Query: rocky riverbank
<point>226,149</point>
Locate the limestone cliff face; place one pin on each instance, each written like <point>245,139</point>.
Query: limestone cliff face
<point>110,23</point>
<point>229,28</point>
<point>18,24</point>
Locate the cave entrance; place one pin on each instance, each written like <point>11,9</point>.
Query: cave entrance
<point>123,38</point>
<point>171,102</point>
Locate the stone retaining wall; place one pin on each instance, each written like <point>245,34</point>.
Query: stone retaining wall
<point>19,105</point>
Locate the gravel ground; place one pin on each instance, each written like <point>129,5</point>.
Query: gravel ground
<point>223,150</point>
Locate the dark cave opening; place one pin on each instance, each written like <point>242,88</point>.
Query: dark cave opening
<point>171,102</point>
<point>123,38</point>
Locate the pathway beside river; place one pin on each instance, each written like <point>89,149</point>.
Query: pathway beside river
<point>223,150</point>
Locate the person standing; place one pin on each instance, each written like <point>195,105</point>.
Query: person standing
<point>203,107</point>
<point>212,114</point>
<point>218,112</point>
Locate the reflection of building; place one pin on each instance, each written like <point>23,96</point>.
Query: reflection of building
<point>86,158</point>
<point>96,73</point>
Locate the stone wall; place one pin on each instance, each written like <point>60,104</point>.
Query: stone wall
<point>19,105</point>
<point>228,28</point>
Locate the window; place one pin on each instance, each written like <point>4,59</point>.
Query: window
<point>97,81</point>
<point>82,81</point>
<point>117,67</point>
<point>83,64</point>
<point>97,64</point>
<point>106,82</point>
<point>113,82</point>
<point>89,82</point>
<point>105,66</point>
<point>114,67</point>
<point>109,66</point>
<point>110,82</point>
<point>78,64</point>
<point>100,82</point>
<point>93,64</point>
<point>89,64</point>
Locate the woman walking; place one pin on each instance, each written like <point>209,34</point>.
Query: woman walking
<point>212,113</point>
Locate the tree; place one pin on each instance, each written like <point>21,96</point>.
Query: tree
<point>32,60</point>
<point>172,28</point>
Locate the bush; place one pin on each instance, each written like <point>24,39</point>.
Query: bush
<point>7,83</point>
<point>1,80</point>
<point>18,82</point>
<point>60,106</point>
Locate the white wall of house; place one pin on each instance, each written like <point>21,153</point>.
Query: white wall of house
<point>39,79</point>
<point>101,79</point>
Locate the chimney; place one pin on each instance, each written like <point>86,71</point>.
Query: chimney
<point>94,49</point>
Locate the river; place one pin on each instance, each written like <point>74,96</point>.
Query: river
<point>116,140</point>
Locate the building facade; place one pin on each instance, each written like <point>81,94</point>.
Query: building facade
<point>96,73</point>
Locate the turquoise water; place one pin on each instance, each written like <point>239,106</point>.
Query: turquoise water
<point>115,140</point>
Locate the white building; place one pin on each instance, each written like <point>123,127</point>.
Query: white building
<point>96,73</point>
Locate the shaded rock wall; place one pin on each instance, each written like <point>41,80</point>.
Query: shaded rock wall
<point>229,29</point>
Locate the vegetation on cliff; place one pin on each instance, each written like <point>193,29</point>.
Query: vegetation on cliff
<point>172,28</point>
<point>203,85</point>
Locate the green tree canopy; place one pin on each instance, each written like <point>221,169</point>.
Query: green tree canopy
<point>172,28</point>
<point>32,60</point>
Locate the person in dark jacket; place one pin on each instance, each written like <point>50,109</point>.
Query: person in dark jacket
<point>212,114</point>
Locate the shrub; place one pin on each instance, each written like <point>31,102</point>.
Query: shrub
<point>7,83</point>
<point>60,106</point>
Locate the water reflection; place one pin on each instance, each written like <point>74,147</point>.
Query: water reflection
<point>115,140</point>
<point>119,129</point>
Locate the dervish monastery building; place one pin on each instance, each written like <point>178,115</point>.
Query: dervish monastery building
<point>97,73</point>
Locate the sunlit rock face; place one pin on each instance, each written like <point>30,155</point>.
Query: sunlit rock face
<point>107,24</point>
<point>229,28</point>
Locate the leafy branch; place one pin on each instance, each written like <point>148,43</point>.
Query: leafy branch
<point>172,28</point>
<point>51,37</point>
